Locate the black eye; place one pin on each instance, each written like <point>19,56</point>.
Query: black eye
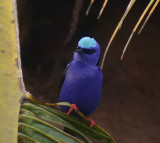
<point>89,51</point>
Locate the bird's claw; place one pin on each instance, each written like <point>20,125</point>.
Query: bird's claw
<point>73,107</point>
<point>92,122</point>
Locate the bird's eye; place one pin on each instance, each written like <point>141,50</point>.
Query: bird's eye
<point>89,51</point>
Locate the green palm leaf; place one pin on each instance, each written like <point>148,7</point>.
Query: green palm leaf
<point>39,123</point>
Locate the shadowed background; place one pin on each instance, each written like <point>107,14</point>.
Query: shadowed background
<point>129,107</point>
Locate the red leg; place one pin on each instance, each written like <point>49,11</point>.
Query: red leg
<point>92,122</point>
<point>73,107</point>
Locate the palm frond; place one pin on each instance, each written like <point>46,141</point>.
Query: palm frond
<point>131,3</point>
<point>136,26</point>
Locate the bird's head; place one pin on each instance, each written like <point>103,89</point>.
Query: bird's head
<point>88,51</point>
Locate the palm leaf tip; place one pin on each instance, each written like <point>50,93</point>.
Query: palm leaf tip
<point>101,11</point>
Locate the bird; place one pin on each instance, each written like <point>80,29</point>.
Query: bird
<point>82,82</point>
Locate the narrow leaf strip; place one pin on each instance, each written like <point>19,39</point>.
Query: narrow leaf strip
<point>60,103</point>
<point>26,112</point>
<point>149,15</point>
<point>89,7</point>
<point>34,100</point>
<point>36,134</point>
<point>104,5</point>
<point>136,26</point>
<point>117,28</point>
<point>25,139</point>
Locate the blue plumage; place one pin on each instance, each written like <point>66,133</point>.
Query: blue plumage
<point>83,78</point>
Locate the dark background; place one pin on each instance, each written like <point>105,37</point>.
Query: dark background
<point>129,108</point>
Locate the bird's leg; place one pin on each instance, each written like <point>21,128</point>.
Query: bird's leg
<point>73,107</point>
<point>92,122</point>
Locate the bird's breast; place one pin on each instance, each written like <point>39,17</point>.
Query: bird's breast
<point>82,86</point>
<point>83,71</point>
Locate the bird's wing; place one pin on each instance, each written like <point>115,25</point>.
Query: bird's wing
<point>63,76</point>
<point>99,61</point>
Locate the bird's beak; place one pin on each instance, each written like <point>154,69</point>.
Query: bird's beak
<point>79,50</point>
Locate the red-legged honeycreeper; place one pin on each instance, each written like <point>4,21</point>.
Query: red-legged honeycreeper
<point>83,78</point>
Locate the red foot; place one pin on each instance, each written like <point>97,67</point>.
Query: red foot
<point>73,107</point>
<point>92,122</point>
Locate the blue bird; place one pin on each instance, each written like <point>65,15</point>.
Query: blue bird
<point>83,79</point>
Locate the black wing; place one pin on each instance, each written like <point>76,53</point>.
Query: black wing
<point>63,76</point>
<point>99,61</point>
